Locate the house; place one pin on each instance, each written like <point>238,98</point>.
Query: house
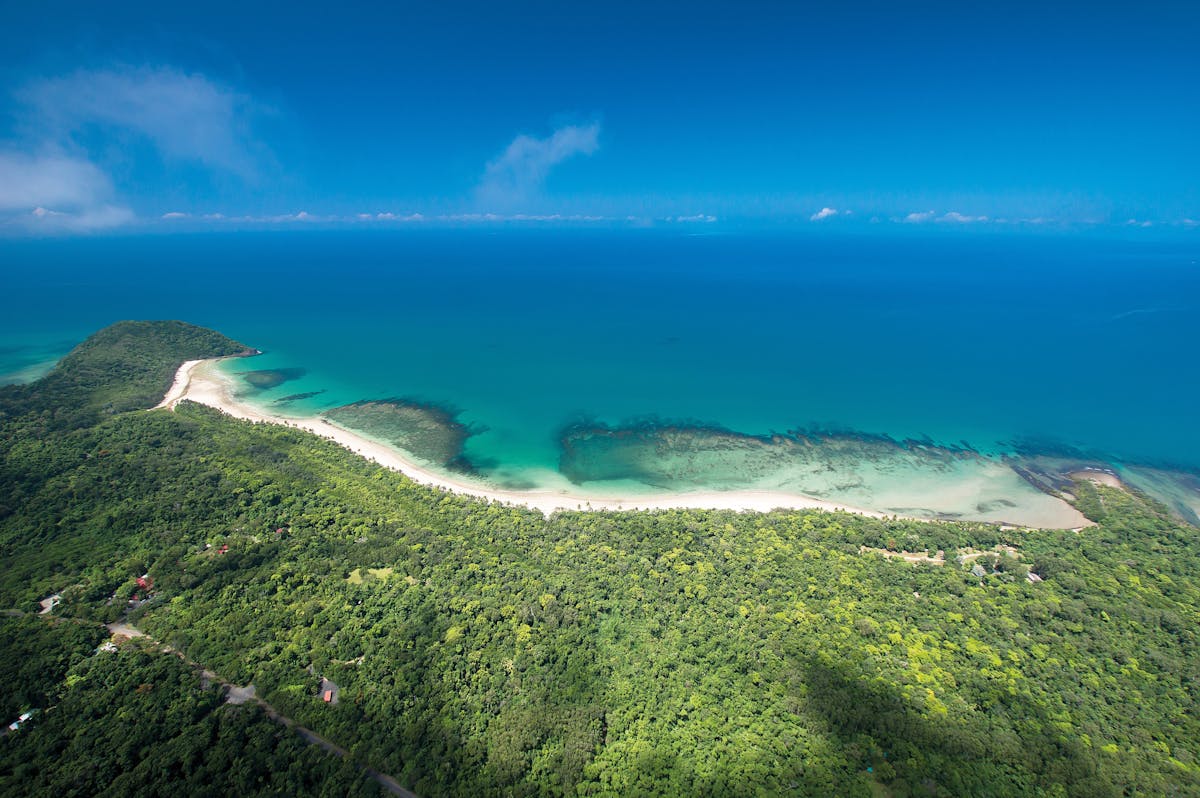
<point>328,691</point>
<point>16,724</point>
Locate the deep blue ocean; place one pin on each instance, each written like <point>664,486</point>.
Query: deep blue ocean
<point>1065,339</point>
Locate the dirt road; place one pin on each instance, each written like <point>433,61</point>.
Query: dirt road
<point>247,694</point>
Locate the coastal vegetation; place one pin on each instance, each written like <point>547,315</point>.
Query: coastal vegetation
<point>483,649</point>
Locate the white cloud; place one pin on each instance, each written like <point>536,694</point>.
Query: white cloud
<point>958,218</point>
<point>186,116</point>
<point>279,218</point>
<point>28,181</point>
<point>71,125</point>
<point>919,217</point>
<point>101,217</point>
<point>556,217</point>
<point>824,213</point>
<point>98,218</point>
<point>394,217</point>
<point>519,173</point>
<point>283,218</point>
<point>518,217</point>
<point>702,218</point>
<point>470,217</point>
<point>55,193</point>
<point>388,216</point>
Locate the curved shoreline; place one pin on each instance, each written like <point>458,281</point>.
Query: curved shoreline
<point>201,382</point>
<point>179,387</point>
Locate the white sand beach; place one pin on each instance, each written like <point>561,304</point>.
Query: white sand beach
<point>180,385</point>
<point>201,381</point>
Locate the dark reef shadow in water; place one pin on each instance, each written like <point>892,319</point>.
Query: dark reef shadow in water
<point>675,455</point>
<point>266,379</point>
<point>296,397</point>
<point>429,431</point>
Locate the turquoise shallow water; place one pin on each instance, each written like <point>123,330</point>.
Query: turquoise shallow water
<point>1081,341</point>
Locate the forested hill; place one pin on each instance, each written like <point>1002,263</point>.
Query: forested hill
<point>126,366</point>
<point>485,650</point>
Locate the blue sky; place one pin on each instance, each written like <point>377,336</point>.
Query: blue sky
<point>1075,115</point>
